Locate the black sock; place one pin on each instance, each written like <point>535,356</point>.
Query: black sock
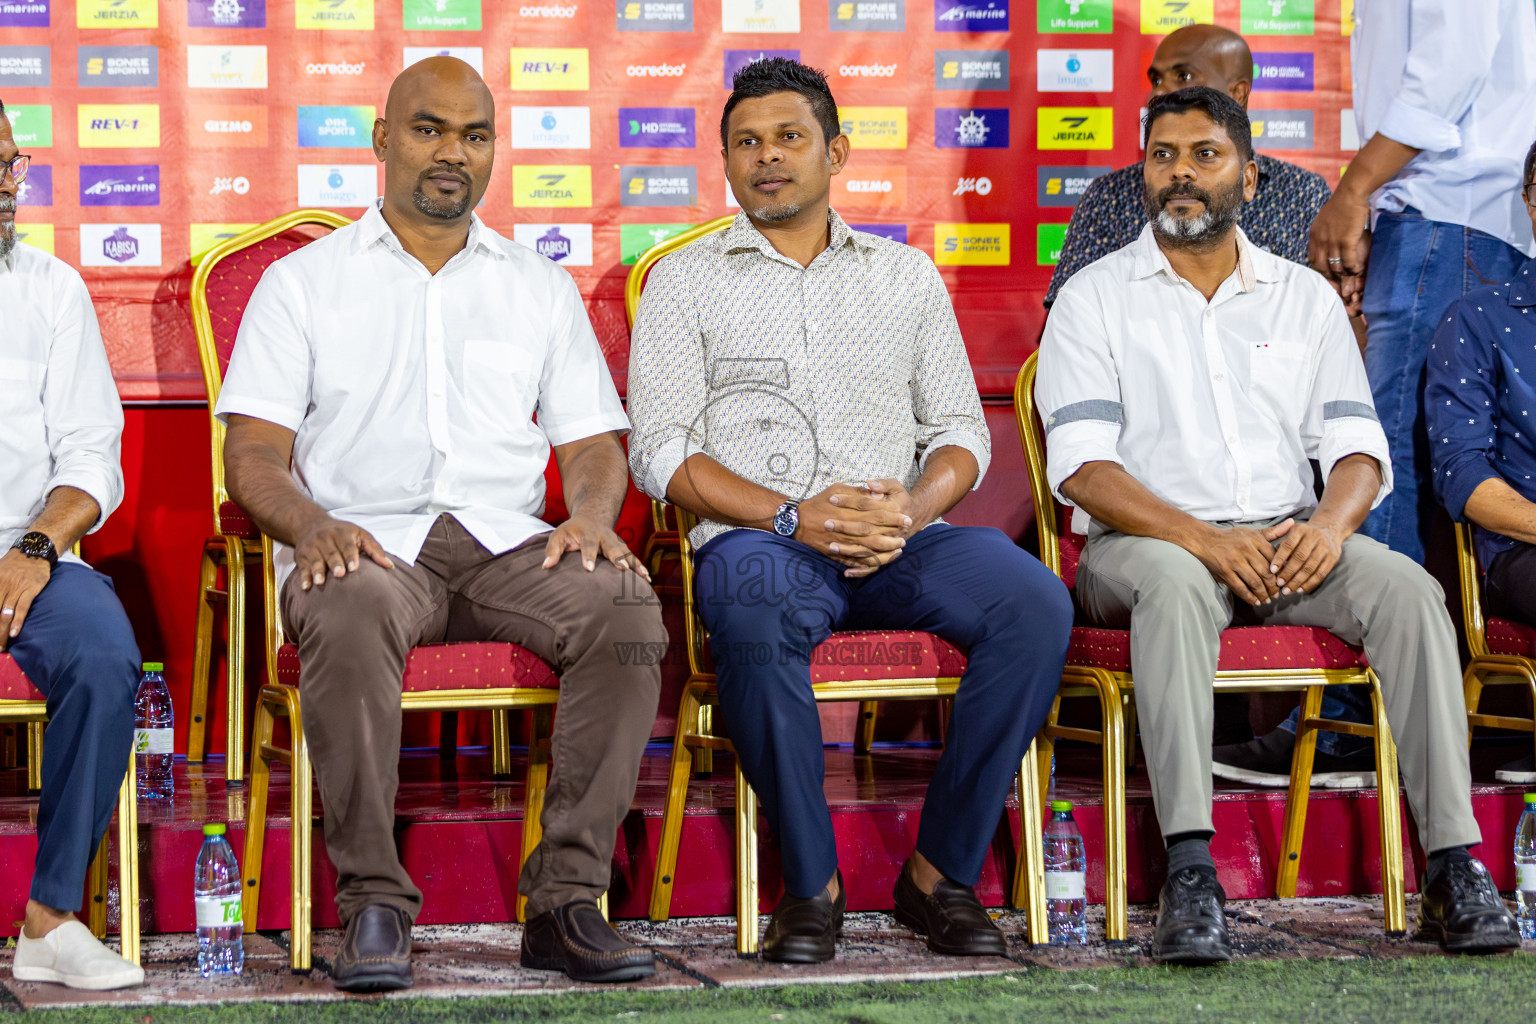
<point>1439,859</point>
<point>1189,850</point>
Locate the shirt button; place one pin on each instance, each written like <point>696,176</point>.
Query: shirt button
<point>1231,439</point>
<point>1209,313</point>
<point>1220,377</point>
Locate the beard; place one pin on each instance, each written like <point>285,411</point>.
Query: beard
<point>441,207</point>
<point>8,228</point>
<point>1221,212</point>
<point>778,214</point>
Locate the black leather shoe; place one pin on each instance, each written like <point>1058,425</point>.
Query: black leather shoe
<point>1463,911</point>
<point>1191,928</point>
<point>951,918</point>
<point>577,940</point>
<point>806,931</point>
<point>375,953</point>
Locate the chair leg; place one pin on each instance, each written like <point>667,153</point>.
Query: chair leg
<point>234,717</point>
<point>1029,876</point>
<point>704,757</point>
<point>746,865</point>
<point>1046,750</point>
<point>448,736</point>
<point>302,834</point>
<point>35,757</point>
<point>864,736</point>
<point>1388,805</point>
<point>128,862</point>
<point>1300,791</point>
<point>672,815</point>
<point>202,657</point>
<point>97,882</point>
<point>533,793</point>
<point>1112,706</point>
<point>256,813</point>
<point>501,742</point>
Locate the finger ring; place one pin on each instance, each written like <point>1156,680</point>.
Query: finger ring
<point>7,611</point>
<point>1334,259</point>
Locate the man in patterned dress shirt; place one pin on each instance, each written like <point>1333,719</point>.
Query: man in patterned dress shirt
<point>803,388</point>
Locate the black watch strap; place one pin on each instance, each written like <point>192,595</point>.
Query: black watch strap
<point>36,544</point>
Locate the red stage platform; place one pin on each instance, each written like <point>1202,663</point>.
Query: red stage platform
<point>460,830</point>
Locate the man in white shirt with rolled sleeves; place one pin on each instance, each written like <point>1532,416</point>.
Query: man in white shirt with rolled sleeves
<point>1185,381</point>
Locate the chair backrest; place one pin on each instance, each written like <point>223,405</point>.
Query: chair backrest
<point>1471,591</point>
<point>634,285</point>
<point>226,275</point>
<point>1060,548</point>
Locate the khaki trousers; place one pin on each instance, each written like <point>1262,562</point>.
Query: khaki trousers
<point>1375,597</point>
<point>354,634</point>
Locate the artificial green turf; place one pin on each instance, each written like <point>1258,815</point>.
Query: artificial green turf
<point>1428,989</point>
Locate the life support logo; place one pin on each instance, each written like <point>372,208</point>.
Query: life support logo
<point>441,15</point>
<point>1075,15</point>
<point>1280,17</point>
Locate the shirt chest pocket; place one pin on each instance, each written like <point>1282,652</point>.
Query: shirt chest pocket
<point>501,379</point>
<point>1280,377</point>
<point>21,396</point>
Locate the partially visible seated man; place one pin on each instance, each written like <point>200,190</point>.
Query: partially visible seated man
<point>1482,443</point>
<point>1185,381</point>
<point>803,388</point>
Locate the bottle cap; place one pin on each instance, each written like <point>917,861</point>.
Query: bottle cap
<point>154,666</point>
<point>1061,805</point>
<point>1530,798</point>
<point>213,830</point>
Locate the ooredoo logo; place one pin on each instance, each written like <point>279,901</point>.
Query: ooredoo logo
<point>337,67</point>
<point>880,68</point>
<point>657,68</point>
<point>546,15</point>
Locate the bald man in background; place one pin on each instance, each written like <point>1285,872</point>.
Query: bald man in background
<point>380,406</point>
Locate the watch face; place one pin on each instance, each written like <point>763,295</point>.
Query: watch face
<point>786,520</point>
<point>36,545</point>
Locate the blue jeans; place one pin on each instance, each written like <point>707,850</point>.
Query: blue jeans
<point>77,648</point>
<point>769,601</point>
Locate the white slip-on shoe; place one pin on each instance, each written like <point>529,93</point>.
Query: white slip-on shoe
<point>70,955</point>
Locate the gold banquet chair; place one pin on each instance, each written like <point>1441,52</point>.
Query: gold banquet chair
<point>1503,650</point>
<point>1253,659</point>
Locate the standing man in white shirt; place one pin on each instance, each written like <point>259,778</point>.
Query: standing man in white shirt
<point>60,477</point>
<point>1185,381</point>
<point>1445,97</point>
<point>380,403</point>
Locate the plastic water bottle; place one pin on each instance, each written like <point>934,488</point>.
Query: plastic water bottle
<point>1525,869</point>
<point>152,734</point>
<point>1066,878</point>
<point>216,892</point>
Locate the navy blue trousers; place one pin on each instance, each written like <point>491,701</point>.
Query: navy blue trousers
<point>768,602</point>
<point>77,647</point>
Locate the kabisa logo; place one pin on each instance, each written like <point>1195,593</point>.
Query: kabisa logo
<point>137,185</point>
<point>227,13</point>
<point>1075,128</point>
<point>641,185</point>
<point>474,56</point>
<point>568,185</point>
<point>760,16</point>
<point>31,125</point>
<point>1278,17</point>
<point>1075,15</point>
<point>970,69</point>
<point>1282,72</point>
<point>117,14</point>
<point>635,239</point>
<point>550,69</point>
<point>25,66</point>
<point>238,185</point>
<point>874,127</point>
<point>971,245</point>
<point>553,245</point>
<point>735,60</point>
<point>551,128</point>
<point>1075,70</point>
<point>356,15</point>
<point>656,127</point>
<point>37,190</point>
<point>225,126</point>
<point>24,14</point>
<point>980,186</point>
<point>569,245</point>
<point>119,126</point>
<point>118,66</point>
<point>655,15</point>
<point>336,127</point>
<point>1064,186</point>
<point>338,185</point>
<point>1159,17</point>
<point>970,15</point>
<point>441,15</point>
<point>120,245</point>
<point>227,67</point>
<point>1282,129</point>
<point>970,128</point>
<point>867,15</point>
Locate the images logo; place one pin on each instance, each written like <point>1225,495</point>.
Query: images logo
<point>227,13</point>
<point>895,232</point>
<point>37,190</point>
<point>1064,186</point>
<point>970,128</point>
<point>569,245</point>
<point>1282,72</point>
<point>24,14</point>
<point>655,15</point>
<point>551,128</point>
<point>871,189</point>
<point>31,126</point>
<point>1075,70</point>
<point>656,128</point>
<point>874,127</point>
<point>970,16</point>
<point>550,69</point>
<point>117,14</point>
<point>867,15</point>
<point>1049,239</point>
<point>635,239</point>
<point>735,60</point>
<point>205,236</point>
<point>474,56</point>
<point>641,185</point>
<point>136,185</point>
<point>323,14</point>
<point>970,245</point>
<point>1075,15</point>
<point>336,127</point>
<point>228,126</point>
<point>1279,17</point>
<point>760,15</point>
<point>119,245</point>
<point>1075,128</point>
<point>1282,129</point>
<point>442,15</point>
<point>979,70</point>
<point>337,184</point>
<point>552,185</point>
<point>227,67</point>
<point>119,126</point>
<point>1159,17</point>
<point>29,67</point>
<point>118,66</point>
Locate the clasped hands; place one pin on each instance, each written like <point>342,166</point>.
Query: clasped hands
<point>1290,557</point>
<point>861,526</point>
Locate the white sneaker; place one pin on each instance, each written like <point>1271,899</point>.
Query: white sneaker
<point>71,955</point>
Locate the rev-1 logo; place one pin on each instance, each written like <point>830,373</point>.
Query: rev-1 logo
<point>239,186</point>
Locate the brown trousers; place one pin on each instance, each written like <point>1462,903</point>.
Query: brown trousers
<point>354,634</point>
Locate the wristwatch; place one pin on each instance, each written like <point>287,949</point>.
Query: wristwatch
<point>787,519</point>
<point>37,544</point>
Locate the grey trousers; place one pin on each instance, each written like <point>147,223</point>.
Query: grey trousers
<point>1375,597</point>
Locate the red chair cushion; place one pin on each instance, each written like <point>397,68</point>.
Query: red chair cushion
<point>465,666</point>
<point>1242,648</point>
<point>14,684</point>
<point>885,654</point>
<point>1508,637</point>
<point>234,521</point>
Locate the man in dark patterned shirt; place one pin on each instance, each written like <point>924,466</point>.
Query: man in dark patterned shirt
<point>1111,214</point>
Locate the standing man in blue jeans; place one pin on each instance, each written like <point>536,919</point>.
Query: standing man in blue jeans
<point>1445,96</point>
<point>803,388</point>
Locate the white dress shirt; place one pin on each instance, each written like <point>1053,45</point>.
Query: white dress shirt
<point>1458,81</point>
<point>61,424</point>
<point>413,394</point>
<point>1214,406</point>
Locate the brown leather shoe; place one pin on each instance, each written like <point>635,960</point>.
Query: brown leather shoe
<point>806,931</point>
<point>375,953</point>
<point>951,917</point>
<point>577,940</point>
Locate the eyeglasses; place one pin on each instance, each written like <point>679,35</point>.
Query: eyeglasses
<point>18,167</point>
<point>1529,194</point>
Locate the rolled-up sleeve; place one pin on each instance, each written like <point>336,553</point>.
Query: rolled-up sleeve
<point>667,387</point>
<point>1341,416</point>
<point>271,369</point>
<point>1077,389</point>
<point>1461,407</point>
<point>944,396</point>
<point>81,411</point>
<point>577,398</point>
<point>1450,56</point>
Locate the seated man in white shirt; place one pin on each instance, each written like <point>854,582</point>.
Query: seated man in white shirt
<point>380,403</point>
<point>60,477</point>
<point>1185,381</point>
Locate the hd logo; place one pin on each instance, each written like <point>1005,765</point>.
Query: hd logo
<point>643,185</point>
<point>32,126</point>
<point>971,245</point>
<point>1075,128</point>
<point>551,185</point>
<point>1064,186</point>
<point>323,14</point>
<point>1282,129</point>
<point>1076,15</point>
<point>874,127</point>
<point>1159,17</point>
<point>867,15</point>
<point>655,15</point>
<point>113,66</point>
<point>1278,17</point>
<point>550,69</point>
<point>976,70</point>
<point>656,127</point>
<point>117,14</point>
<point>1282,72</point>
<point>119,126</point>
